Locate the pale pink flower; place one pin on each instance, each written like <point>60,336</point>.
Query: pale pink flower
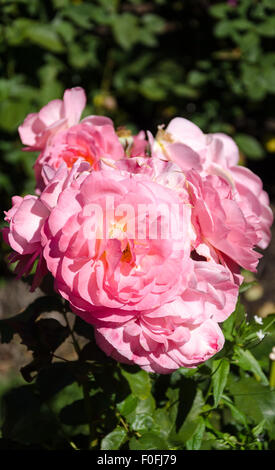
<point>91,140</point>
<point>212,291</point>
<point>27,217</point>
<point>254,202</point>
<point>160,341</point>
<point>219,221</point>
<point>38,128</point>
<point>100,259</point>
<point>183,332</point>
<point>146,246</point>
<point>186,145</point>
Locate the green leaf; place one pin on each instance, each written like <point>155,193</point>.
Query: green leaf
<point>185,90</point>
<point>219,11</point>
<point>163,422</point>
<point>142,423</point>
<point>236,413</point>
<point>255,400</point>
<point>259,428</point>
<point>139,382</point>
<point>269,78</point>
<point>114,440</point>
<point>44,36</point>
<point>246,285</point>
<point>151,88</point>
<point>232,325</point>
<point>65,29</point>
<point>65,396</point>
<point>241,24</point>
<point>126,30</point>
<point>250,46</point>
<point>80,14</point>
<point>247,361</point>
<point>228,327</point>
<point>194,443</point>
<point>249,146</point>
<point>220,371</point>
<point>128,405</point>
<point>154,23</point>
<point>186,430</point>
<point>196,78</point>
<point>223,29</point>
<point>256,89</point>
<point>149,441</point>
<point>138,413</point>
<point>269,4</point>
<point>267,28</point>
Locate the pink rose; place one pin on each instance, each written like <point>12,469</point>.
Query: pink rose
<point>219,221</point>
<point>91,140</point>
<point>99,248</point>
<point>212,291</point>
<point>160,341</point>
<point>183,332</point>
<point>38,128</point>
<point>254,202</point>
<point>186,145</point>
<point>26,219</point>
<point>146,246</point>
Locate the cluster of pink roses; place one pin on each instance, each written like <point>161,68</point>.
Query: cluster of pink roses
<point>155,299</point>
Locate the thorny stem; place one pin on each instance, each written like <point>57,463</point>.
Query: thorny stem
<point>84,383</point>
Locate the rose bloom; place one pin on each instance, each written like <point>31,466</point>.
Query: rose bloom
<point>146,246</point>
<point>150,302</point>
<point>183,143</point>
<point>38,128</point>
<point>27,217</point>
<point>220,222</point>
<point>91,140</point>
<point>55,131</point>
<point>98,259</point>
<point>180,333</point>
<point>221,229</point>
<point>160,341</point>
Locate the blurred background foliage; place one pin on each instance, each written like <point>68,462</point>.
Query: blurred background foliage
<point>141,63</point>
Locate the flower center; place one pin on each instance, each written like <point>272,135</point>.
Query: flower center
<point>71,155</point>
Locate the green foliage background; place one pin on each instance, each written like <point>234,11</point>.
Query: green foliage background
<point>141,63</point>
